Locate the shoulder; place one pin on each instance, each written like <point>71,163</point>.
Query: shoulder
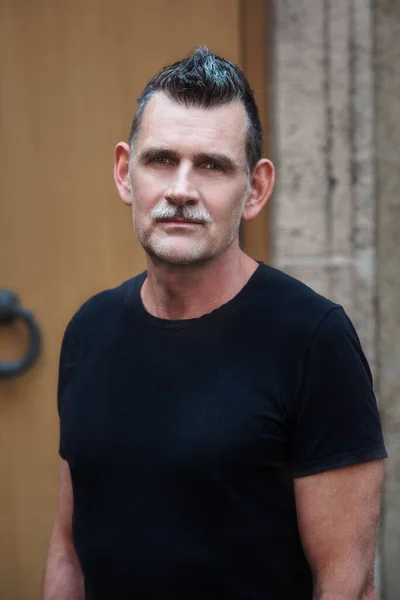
<point>292,304</point>
<point>100,308</point>
<point>291,291</point>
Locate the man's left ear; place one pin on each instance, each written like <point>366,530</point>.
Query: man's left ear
<point>261,185</point>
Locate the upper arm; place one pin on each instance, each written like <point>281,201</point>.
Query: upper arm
<point>337,514</point>
<point>336,446</point>
<point>62,531</point>
<point>334,421</point>
<point>63,575</point>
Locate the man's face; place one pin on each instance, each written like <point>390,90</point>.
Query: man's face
<point>189,179</point>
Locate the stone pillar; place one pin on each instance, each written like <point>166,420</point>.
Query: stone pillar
<point>324,208</point>
<point>335,98</point>
<point>387,77</point>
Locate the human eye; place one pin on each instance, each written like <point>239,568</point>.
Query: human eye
<point>213,166</point>
<point>160,160</point>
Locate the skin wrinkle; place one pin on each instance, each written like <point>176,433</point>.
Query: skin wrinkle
<point>197,267</point>
<point>249,134</point>
<point>207,81</point>
<point>182,162</point>
<point>223,160</point>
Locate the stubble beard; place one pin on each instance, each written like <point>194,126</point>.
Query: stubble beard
<point>196,254</point>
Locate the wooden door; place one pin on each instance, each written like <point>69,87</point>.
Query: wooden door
<point>70,73</point>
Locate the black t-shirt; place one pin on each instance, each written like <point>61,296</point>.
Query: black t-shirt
<point>183,438</point>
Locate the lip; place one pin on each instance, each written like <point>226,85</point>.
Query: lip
<point>179,222</point>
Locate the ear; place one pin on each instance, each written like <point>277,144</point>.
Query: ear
<point>261,185</point>
<point>121,172</point>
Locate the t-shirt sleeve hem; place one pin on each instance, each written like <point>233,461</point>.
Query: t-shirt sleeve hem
<point>344,459</point>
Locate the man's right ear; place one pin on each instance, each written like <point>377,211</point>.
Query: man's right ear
<point>121,172</point>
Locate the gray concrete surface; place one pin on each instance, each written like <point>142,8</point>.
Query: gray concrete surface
<point>387,86</point>
<point>336,210</point>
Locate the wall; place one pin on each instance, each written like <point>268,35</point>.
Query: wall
<point>335,214</point>
<point>387,86</point>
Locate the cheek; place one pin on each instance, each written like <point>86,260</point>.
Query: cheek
<point>226,208</point>
<point>146,195</point>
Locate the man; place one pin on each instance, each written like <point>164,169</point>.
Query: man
<point>219,434</point>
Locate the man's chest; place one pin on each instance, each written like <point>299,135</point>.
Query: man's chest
<point>174,408</point>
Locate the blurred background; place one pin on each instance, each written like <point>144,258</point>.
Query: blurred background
<point>326,74</point>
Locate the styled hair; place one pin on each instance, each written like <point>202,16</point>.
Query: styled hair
<point>205,80</point>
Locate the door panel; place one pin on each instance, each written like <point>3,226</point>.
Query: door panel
<point>70,76</point>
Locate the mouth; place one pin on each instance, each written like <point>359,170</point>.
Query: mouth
<point>180,221</point>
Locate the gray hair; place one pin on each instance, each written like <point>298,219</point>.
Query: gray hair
<point>205,80</point>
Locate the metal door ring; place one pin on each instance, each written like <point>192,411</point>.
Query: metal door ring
<point>10,310</point>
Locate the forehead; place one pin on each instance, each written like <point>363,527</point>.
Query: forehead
<point>216,129</point>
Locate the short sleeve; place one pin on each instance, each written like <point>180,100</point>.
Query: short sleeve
<point>64,373</point>
<point>335,420</point>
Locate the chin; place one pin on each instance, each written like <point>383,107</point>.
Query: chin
<point>184,252</point>
<point>179,256</point>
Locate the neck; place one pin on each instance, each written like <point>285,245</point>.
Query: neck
<point>190,291</point>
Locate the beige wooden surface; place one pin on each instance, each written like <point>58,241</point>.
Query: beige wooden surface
<point>256,60</point>
<point>70,73</point>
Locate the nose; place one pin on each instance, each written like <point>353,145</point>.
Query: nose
<point>182,190</point>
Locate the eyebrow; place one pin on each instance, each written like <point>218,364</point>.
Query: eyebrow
<point>229,165</point>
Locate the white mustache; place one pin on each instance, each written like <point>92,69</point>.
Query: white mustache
<point>188,213</point>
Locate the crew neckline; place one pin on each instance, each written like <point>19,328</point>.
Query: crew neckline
<point>134,301</point>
